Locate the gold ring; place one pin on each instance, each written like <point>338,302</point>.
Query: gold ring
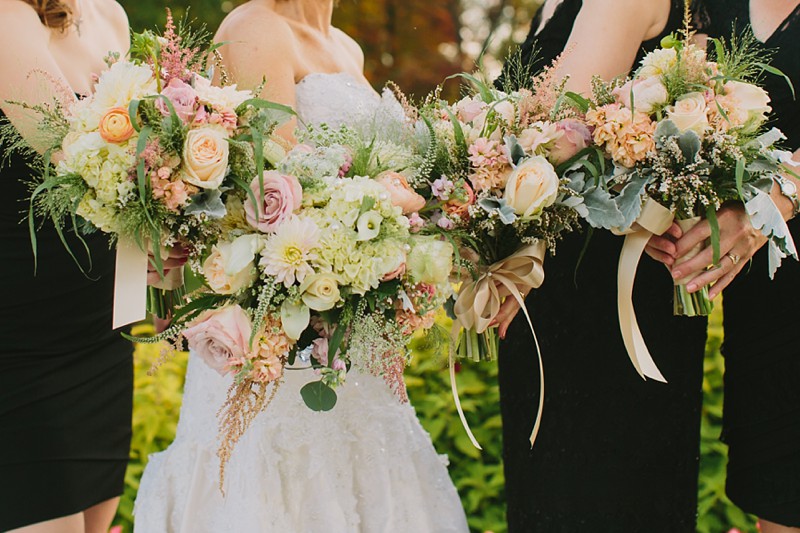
<point>733,257</point>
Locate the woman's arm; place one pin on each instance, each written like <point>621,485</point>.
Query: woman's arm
<point>260,46</point>
<point>606,37</point>
<point>28,71</point>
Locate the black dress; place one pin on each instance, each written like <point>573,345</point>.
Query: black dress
<point>762,355</point>
<point>615,453</point>
<point>66,379</point>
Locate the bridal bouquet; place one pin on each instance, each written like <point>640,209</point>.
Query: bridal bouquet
<point>319,263</point>
<point>501,194</point>
<point>685,134</point>
<point>151,154</point>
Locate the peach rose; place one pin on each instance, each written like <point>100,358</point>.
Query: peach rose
<point>690,113</point>
<point>402,195</point>
<point>220,337</point>
<point>532,187</point>
<point>115,126</point>
<point>205,157</point>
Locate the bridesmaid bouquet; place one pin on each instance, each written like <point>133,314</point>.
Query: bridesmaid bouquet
<point>501,193</point>
<point>151,154</point>
<point>685,134</point>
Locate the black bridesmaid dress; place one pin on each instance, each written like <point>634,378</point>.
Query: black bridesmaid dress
<point>615,453</point>
<point>66,379</point>
<point>762,357</point>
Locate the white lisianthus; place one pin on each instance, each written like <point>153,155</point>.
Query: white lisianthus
<point>220,99</point>
<point>320,292</point>
<point>532,187</point>
<point>690,113</point>
<point>750,99</point>
<point>230,267</point>
<point>648,94</point>
<point>657,62</point>
<point>539,136</point>
<point>430,260</point>
<point>505,109</point>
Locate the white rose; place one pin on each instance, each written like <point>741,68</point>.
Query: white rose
<point>205,157</point>
<point>320,291</point>
<point>648,94</point>
<point>230,267</point>
<point>751,99</point>
<point>532,187</point>
<point>690,113</point>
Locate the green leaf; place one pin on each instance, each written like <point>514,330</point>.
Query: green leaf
<point>711,215</point>
<point>367,203</point>
<point>580,102</point>
<point>335,341</point>
<point>318,396</point>
<point>777,72</point>
<point>485,92</point>
<point>740,177</point>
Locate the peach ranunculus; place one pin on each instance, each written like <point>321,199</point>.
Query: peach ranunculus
<point>205,157</point>
<point>401,193</point>
<point>532,187</point>
<point>281,196</point>
<point>220,337</point>
<point>690,113</point>
<point>575,136</point>
<point>115,126</point>
<point>459,207</point>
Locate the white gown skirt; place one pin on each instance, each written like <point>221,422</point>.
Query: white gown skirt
<point>366,466</point>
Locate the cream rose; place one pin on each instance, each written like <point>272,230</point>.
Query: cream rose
<point>648,94</point>
<point>320,292</point>
<point>230,267</point>
<point>531,187</point>
<point>430,260</point>
<point>205,157</point>
<point>690,113</point>
<point>401,193</point>
<point>751,99</point>
<point>115,126</point>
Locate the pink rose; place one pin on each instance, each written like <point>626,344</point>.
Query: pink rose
<point>220,336</point>
<point>282,196</point>
<point>575,137</point>
<point>403,196</point>
<point>396,273</point>
<point>183,98</point>
<point>469,108</point>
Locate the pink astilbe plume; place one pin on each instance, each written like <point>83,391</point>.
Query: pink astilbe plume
<point>175,59</point>
<point>538,103</point>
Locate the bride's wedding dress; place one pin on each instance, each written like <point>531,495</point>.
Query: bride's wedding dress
<point>366,466</point>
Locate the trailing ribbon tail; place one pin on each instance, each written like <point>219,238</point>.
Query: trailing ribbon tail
<point>654,219</point>
<point>130,284</point>
<point>479,302</point>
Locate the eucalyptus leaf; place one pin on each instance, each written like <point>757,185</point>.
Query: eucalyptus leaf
<point>516,151</point>
<point>602,210</point>
<point>766,217</point>
<point>770,137</point>
<point>318,396</point>
<point>208,202</point>
<point>690,145</point>
<point>629,202</point>
<point>499,206</point>
<point>666,128</point>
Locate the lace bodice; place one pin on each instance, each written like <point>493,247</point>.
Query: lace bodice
<point>339,99</point>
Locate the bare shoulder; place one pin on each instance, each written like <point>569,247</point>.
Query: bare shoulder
<point>651,11</point>
<point>19,18</point>
<point>114,13</point>
<point>254,23</point>
<point>350,45</point>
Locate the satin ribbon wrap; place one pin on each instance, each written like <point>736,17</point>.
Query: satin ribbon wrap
<point>654,219</point>
<point>479,302</point>
<point>130,284</point>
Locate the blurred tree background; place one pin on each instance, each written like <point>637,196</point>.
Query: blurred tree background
<point>416,44</point>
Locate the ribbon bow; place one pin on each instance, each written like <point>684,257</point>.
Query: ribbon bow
<point>654,219</point>
<point>479,302</point>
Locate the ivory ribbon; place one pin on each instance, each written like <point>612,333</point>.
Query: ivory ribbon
<point>130,284</point>
<point>479,302</point>
<point>654,219</point>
